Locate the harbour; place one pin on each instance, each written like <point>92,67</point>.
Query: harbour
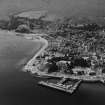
<point>61,85</point>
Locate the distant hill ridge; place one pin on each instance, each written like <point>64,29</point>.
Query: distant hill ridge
<point>38,14</point>
<point>32,14</point>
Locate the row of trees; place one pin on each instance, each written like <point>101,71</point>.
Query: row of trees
<point>14,22</point>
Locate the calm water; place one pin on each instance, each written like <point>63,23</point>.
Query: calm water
<point>19,88</point>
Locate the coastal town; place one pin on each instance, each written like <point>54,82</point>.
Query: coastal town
<point>68,57</point>
<point>52,52</point>
<point>66,71</point>
<point>71,53</point>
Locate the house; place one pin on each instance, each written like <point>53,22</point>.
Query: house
<point>82,71</point>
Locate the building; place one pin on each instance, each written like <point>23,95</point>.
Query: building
<point>82,71</point>
<point>62,66</point>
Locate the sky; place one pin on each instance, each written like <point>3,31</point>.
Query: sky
<point>63,7</point>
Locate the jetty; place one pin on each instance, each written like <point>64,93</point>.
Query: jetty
<point>62,85</point>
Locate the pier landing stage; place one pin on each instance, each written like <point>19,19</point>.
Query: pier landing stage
<point>65,85</point>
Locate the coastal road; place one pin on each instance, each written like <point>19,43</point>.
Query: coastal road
<point>45,45</point>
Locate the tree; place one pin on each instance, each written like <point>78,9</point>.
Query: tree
<point>23,29</point>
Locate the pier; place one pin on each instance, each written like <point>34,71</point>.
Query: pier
<point>62,86</point>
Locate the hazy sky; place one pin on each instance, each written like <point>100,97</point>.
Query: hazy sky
<point>67,7</point>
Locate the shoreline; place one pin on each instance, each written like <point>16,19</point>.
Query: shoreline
<point>42,48</point>
<point>33,53</point>
<point>24,61</point>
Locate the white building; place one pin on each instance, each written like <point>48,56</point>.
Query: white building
<point>86,71</point>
